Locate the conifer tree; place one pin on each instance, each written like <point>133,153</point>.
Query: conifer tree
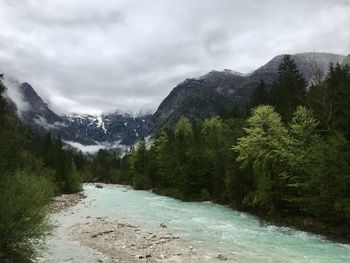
<point>289,91</point>
<point>261,147</point>
<point>140,179</point>
<point>260,95</point>
<point>338,82</point>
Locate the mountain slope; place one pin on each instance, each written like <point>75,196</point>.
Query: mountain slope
<point>219,91</point>
<point>120,127</point>
<point>114,129</point>
<point>196,98</point>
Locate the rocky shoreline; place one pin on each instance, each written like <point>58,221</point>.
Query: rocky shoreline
<point>124,242</point>
<point>64,201</point>
<point>118,241</point>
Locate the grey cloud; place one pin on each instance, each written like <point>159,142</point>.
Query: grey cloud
<point>93,56</point>
<point>71,20</point>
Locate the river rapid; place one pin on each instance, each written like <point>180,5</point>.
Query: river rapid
<point>212,229</point>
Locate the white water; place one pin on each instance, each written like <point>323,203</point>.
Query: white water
<point>211,228</point>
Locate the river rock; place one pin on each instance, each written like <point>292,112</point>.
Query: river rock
<point>163,225</point>
<point>221,257</point>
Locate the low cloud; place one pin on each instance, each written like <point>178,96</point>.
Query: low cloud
<point>49,126</point>
<point>88,57</point>
<point>14,94</point>
<point>92,149</point>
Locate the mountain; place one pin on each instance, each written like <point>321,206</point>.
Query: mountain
<point>198,98</point>
<point>220,91</point>
<point>110,130</point>
<point>195,98</point>
<point>347,60</point>
<point>33,111</point>
<point>120,127</point>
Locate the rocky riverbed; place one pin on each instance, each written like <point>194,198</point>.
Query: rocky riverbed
<point>116,224</point>
<point>118,240</point>
<point>124,242</point>
<point>64,201</point>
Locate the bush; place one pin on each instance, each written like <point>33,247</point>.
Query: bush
<point>23,214</point>
<point>73,181</point>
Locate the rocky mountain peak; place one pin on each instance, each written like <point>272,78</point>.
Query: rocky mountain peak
<point>219,91</point>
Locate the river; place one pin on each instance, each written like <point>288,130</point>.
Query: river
<point>211,228</point>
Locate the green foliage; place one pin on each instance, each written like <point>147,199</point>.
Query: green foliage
<point>330,100</point>
<point>285,160</point>
<point>265,135</point>
<point>67,178</point>
<point>23,221</point>
<point>140,179</point>
<point>295,170</point>
<point>73,180</point>
<point>190,163</point>
<point>31,171</point>
<point>289,91</point>
<point>183,128</point>
<point>262,147</point>
<point>260,95</point>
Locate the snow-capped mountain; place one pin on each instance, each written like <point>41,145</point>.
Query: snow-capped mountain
<point>196,98</point>
<point>111,127</point>
<point>87,132</point>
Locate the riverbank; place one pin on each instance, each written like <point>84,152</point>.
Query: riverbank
<point>115,224</point>
<point>118,240</point>
<point>64,201</point>
<point>124,242</point>
<point>336,233</point>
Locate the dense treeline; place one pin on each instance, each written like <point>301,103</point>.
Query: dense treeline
<point>32,171</point>
<point>287,159</point>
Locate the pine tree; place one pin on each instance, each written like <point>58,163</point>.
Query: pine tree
<point>338,82</point>
<point>260,95</point>
<point>140,159</point>
<point>163,158</point>
<point>289,91</point>
<point>261,147</point>
<point>214,146</point>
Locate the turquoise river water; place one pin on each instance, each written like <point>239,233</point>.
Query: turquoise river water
<point>211,228</point>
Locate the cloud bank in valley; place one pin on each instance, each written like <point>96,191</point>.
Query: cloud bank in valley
<point>92,56</point>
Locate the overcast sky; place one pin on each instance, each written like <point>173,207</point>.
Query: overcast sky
<point>99,55</point>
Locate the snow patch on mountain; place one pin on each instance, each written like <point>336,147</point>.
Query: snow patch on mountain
<point>97,121</point>
<point>101,124</point>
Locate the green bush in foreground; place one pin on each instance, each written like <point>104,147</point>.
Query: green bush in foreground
<point>23,215</point>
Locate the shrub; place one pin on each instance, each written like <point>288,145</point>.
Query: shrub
<point>23,214</point>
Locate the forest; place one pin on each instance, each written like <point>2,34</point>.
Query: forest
<point>285,158</point>
<point>32,171</point>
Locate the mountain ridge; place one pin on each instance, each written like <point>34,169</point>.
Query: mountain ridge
<point>126,128</point>
<point>196,98</point>
<point>218,91</point>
